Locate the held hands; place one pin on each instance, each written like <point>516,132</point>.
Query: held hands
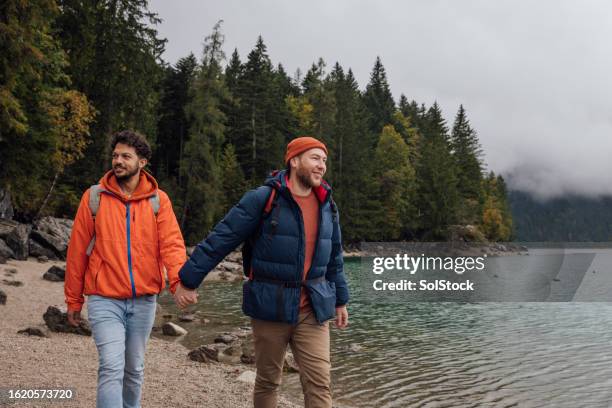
<point>341,317</point>
<point>74,318</point>
<point>185,297</point>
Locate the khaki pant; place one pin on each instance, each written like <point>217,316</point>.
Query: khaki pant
<point>310,346</point>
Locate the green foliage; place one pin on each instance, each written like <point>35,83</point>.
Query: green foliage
<point>496,216</point>
<point>201,175</point>
<point>378,98</point>
<point>467,154</point>
<point>73,72</point>
<point>395,179</point>
<point>44,124</point>
<point>173,123</point>
<point>233,178</point>
<point>438,198</point>
<point>261,121</point>
<point>115,59</point>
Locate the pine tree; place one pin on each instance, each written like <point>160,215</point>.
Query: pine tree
<point>260,130</point>
<point>437,183</point>
<point>497,222</point>
<point>467,152</point>
<point>352,158</point>
<point>203,201</point>
<point>411,111</point>
<point>233,72</point>
<point>173,125</point>
<point>233,178</point>
<point>378,98</point>
<point>319,94</point>
<point>395,178</point>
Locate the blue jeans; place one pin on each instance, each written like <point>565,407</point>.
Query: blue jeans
<point>120,328</point>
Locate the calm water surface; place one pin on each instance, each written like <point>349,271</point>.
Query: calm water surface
<point>404,354</point>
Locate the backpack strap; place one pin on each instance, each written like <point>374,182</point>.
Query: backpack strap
<point>270,202</point>
<point>272,208</point>
<point>155,203</point>
<point>94,206</point>
<point>94,199</point>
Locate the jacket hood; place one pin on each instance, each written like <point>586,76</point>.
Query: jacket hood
<point>278,179</point>
<point>147,186</point>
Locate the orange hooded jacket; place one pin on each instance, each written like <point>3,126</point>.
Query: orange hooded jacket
<point>132,245</point>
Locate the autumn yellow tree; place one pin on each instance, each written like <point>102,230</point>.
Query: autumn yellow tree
<point>69,115</point>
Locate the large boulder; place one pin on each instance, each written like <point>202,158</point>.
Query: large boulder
<point>53,233</point>
<point>6,227</point>
<point>5,250</point>
<point>17,240</point>
<point>37,250</point>
<point>6,207</point>
<point>56,320</point>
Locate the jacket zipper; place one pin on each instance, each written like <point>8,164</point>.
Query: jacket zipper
<point>303,237</point>
<point>129,248</point>
<point>302,243</point>
<point>314,252</point>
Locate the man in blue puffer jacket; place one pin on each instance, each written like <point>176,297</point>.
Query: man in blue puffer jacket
<point>292,255</point>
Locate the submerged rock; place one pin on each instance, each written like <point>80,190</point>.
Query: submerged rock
<point>187,317</point>
<point>171,329</point>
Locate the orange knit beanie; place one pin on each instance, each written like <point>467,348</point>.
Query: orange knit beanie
<point>301,144</point>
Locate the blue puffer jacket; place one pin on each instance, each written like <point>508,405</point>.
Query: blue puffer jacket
<point>275,247</point>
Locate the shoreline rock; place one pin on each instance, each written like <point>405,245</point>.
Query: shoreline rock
<point>55,274</point>
<point>56,320</point>
<point>171,329</point>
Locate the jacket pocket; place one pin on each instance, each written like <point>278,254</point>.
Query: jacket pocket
<point>322,298</point>
<point>269,301</point>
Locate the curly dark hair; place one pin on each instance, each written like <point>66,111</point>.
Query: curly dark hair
<point>133,139</point>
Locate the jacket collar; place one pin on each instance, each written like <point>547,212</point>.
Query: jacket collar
<point>147,186</point>
<point>279,179</point>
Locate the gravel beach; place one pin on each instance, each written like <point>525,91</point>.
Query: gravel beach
<point>70,361</point>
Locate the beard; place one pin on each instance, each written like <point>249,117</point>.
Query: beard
<point>127,174</point>
<point>304,178</point>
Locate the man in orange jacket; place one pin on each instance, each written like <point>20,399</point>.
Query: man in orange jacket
<point>124,234</point>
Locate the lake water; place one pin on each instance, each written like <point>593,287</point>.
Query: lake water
<point>434,354</point>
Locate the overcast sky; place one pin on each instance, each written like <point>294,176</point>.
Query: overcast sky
<point>534,76</point>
